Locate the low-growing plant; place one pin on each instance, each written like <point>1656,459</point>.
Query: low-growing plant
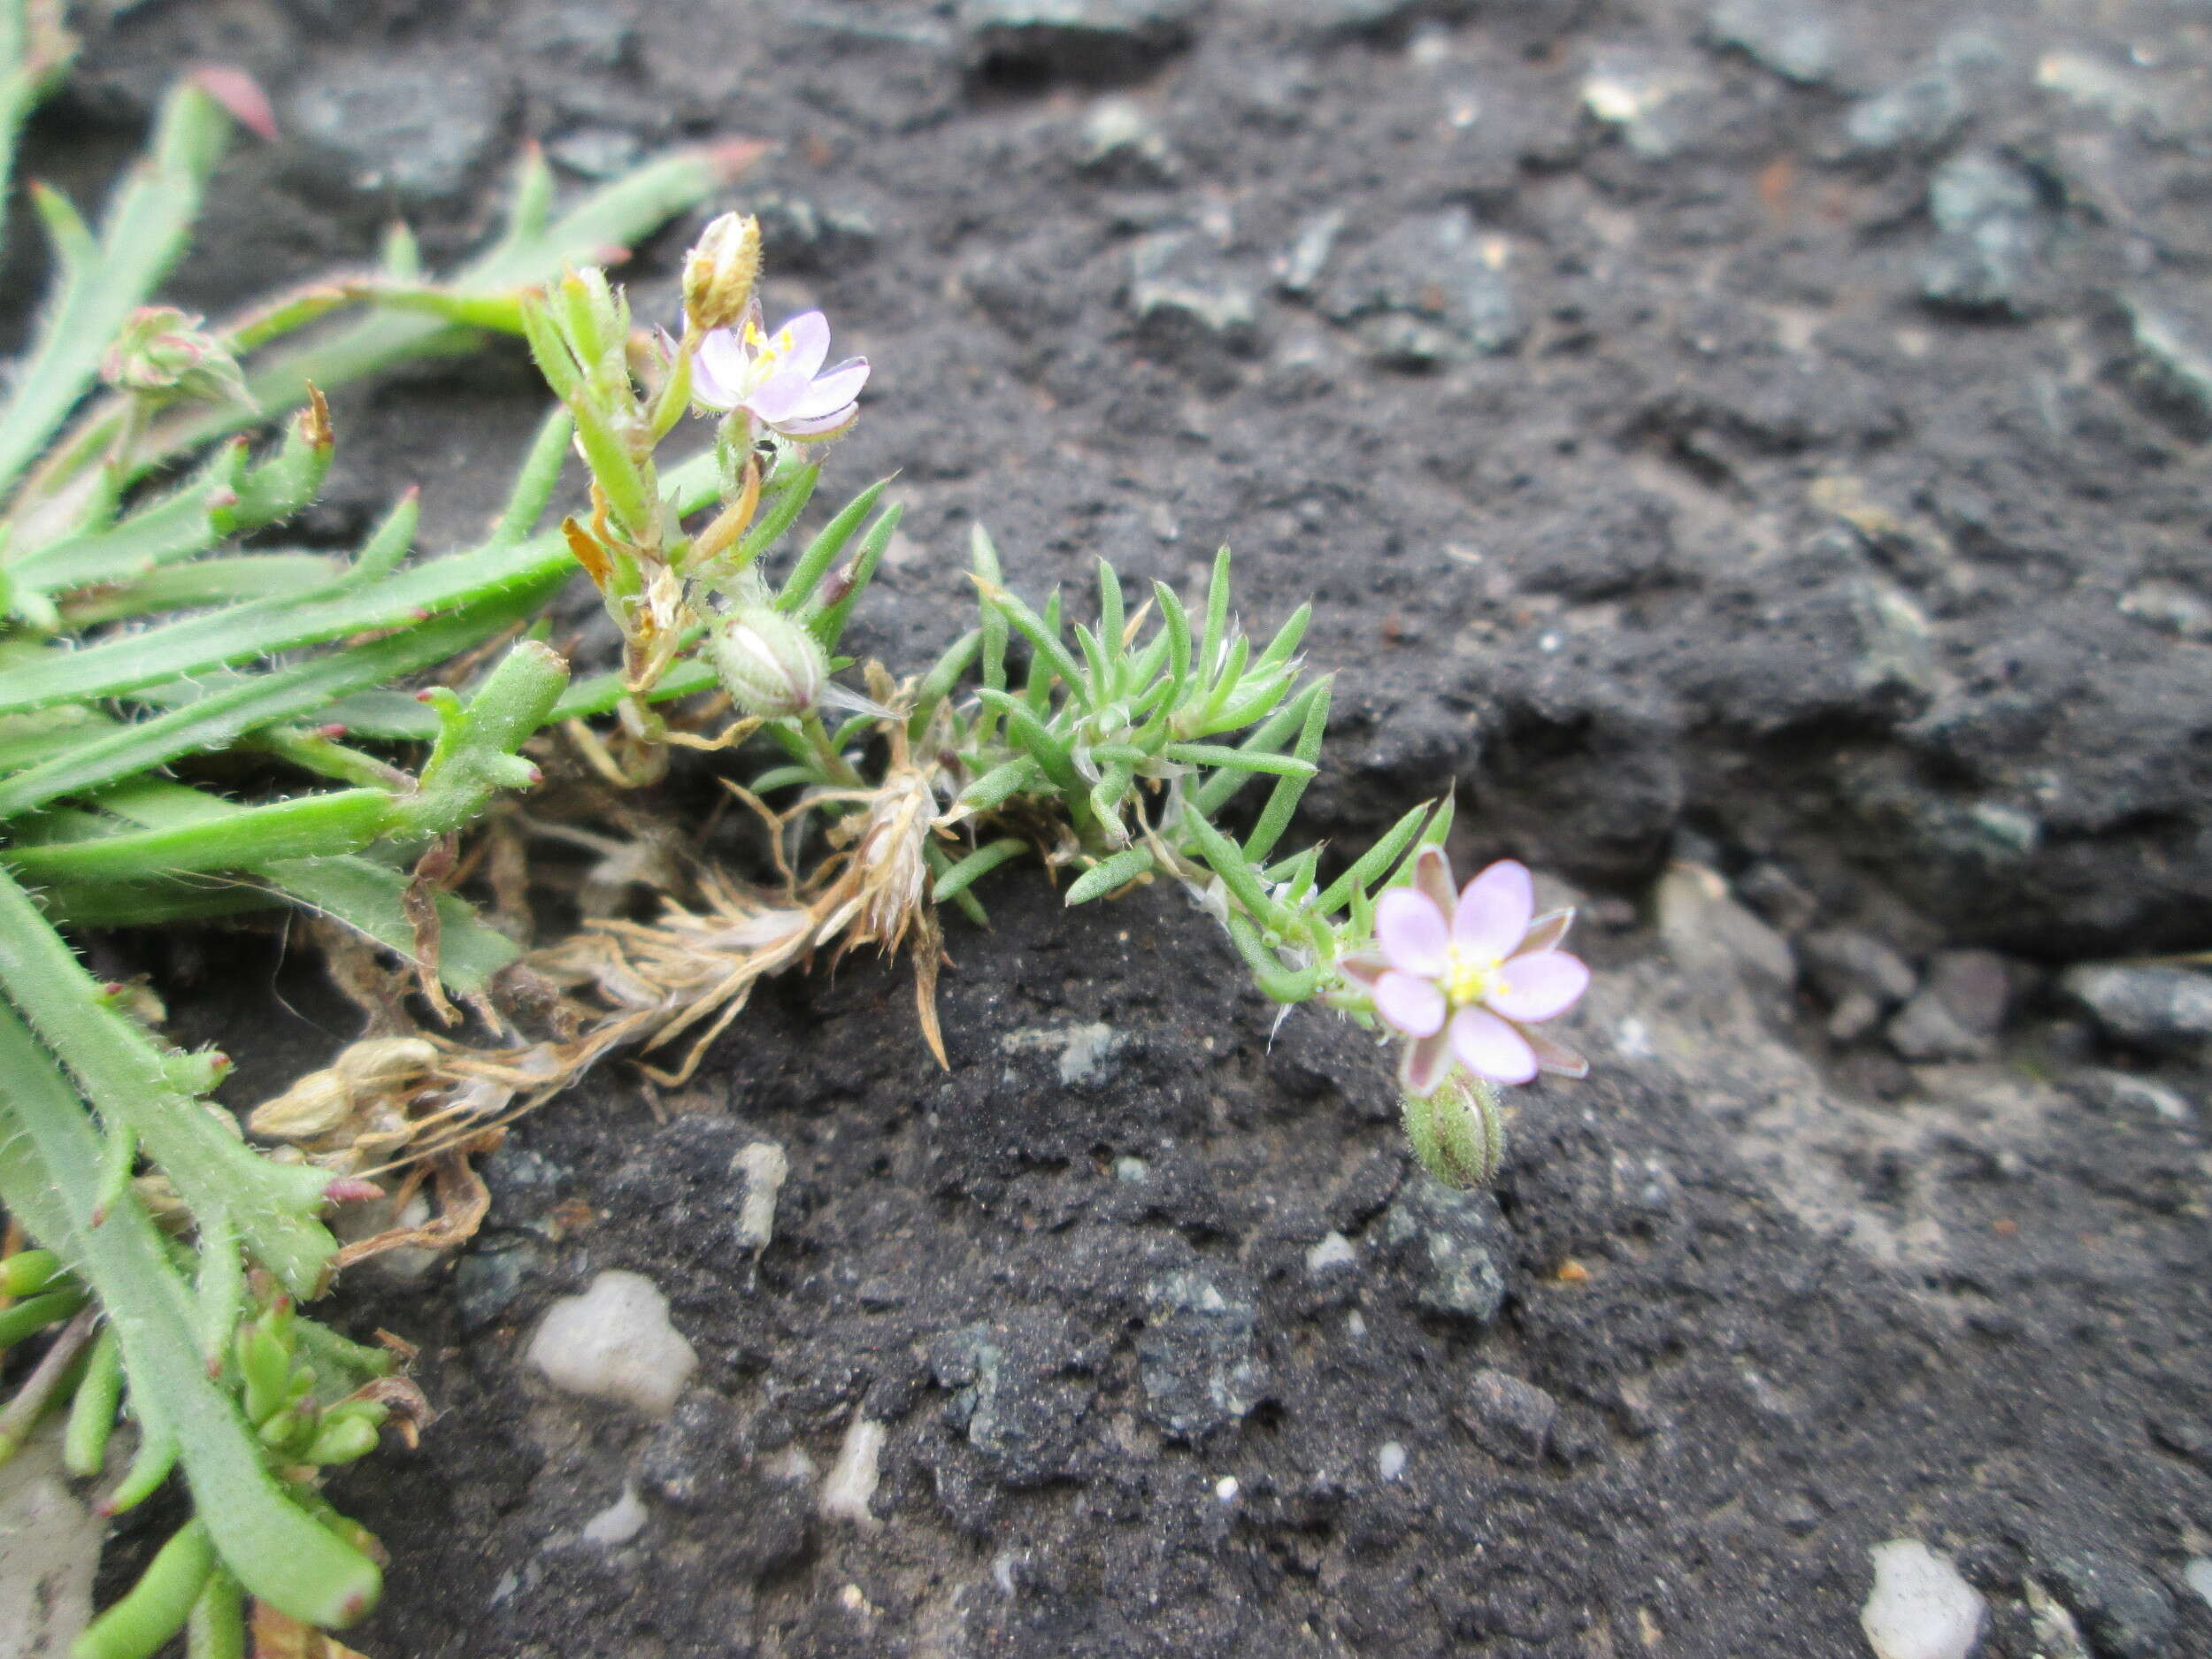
<point>1154,741</point>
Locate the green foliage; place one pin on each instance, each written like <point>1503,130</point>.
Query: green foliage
<point>137,640</point>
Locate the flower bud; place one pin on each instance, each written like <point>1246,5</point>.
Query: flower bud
<point>1458,1133</point>
<point>720,271</point>
<point>164,352</point>
<point>770,662</point>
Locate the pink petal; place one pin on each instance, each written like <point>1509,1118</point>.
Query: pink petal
<point>832,391</point>
<point>1545,933</point>
<point>1556,1057</point>
<point>1415,1006</point>
<point>1542,987</point>
<point>718,370</point>
<point>827,427</point>
<point>777,397</point>
<point>1489,1048</point>
<point>1423,1065</point>
<point>1494,911</point>
<point>1411,930</point>
<point>1365,968</point>
<point>1432,875</point>
<point>810,343</point>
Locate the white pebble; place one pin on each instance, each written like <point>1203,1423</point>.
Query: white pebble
<point>614,1342</point>
<point>619,1522</point>
<point>2198,1575</point>
<point>1227,1489</point>
<point>1390,1460</point>
<point>1334,1250</point>
<point>50,1543</point>
<point>852,1477</point>
<point>764,1167</point>
<point>1919,1607</point>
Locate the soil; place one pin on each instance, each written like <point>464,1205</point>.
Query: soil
<point>1754,453</point>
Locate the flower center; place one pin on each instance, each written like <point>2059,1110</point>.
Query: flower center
<point>1468,979</point>
<point>766,348</point>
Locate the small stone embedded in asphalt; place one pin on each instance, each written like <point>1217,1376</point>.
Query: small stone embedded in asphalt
<point>1429,291</point>
<point>1194,1356</point>
<point>1450,1243</point>
<point>1796,39</point>
<point>1710,935</point>
<point>596,152</point>
<point>1332,1254</point>
<point>524,1187</point>
<point>1121,138</point>
<point>1018,1395</point>
<point>615,1341</point>
<point>693,1457</point>
<point>1957,1014</point>
<point>1840,960</point>
<point>487,1279</point>
<point>425,130</point>
<point>764,1167</point>
<point>2169,606</point>
<point>851,1482</point>
<point>1651,101</point>
<point>619,1522</point>
<point>798,236</point>
<point>1085,40</point>
<point>2056,1635</point>
<point>2165,1010</point>
<point>1509,1419</point>
<point>1920,1608</point>
<point>1179,277</point>
<point>2169,371</point>
<point>1919,114</point>
<point>2198,1575</point>
<point>2121,1608</point>
<point>1298,268</point>
<point>1991,233</point>
<point>49,1548</point>
<point>2125,1091</point>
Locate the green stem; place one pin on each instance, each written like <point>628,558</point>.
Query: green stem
<point>119,1067</point>
<point>48,1175</point>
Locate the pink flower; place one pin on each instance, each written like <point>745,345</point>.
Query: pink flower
<point>1464,976</point>
<point>778,378</point>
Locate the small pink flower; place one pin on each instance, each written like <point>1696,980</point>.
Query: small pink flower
<point>1464,976</point>
<point>778,378</point>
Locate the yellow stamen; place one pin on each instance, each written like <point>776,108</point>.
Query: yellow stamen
<point>1468,980</point>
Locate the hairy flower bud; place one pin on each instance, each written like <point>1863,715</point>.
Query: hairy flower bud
<point>162,351</point>
<point>770,662</point>
<point>1458,1133</point>
<point>720,272</point>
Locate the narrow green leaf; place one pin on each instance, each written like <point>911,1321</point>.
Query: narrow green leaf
<point>1239,760</point>
<point>308,826</point>
<point>813,564</point>
<point>204,582</point>
<point>967,871</point>
<point>1109,874</point>
<point>535,481</point>
<point>1282,801</point>
<point>143,232</point>
<point>1043,635</point>
<point>1370,865</point>
<point>829,626</point>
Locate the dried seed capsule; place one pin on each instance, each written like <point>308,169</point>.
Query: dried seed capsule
<point>719,271</point>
